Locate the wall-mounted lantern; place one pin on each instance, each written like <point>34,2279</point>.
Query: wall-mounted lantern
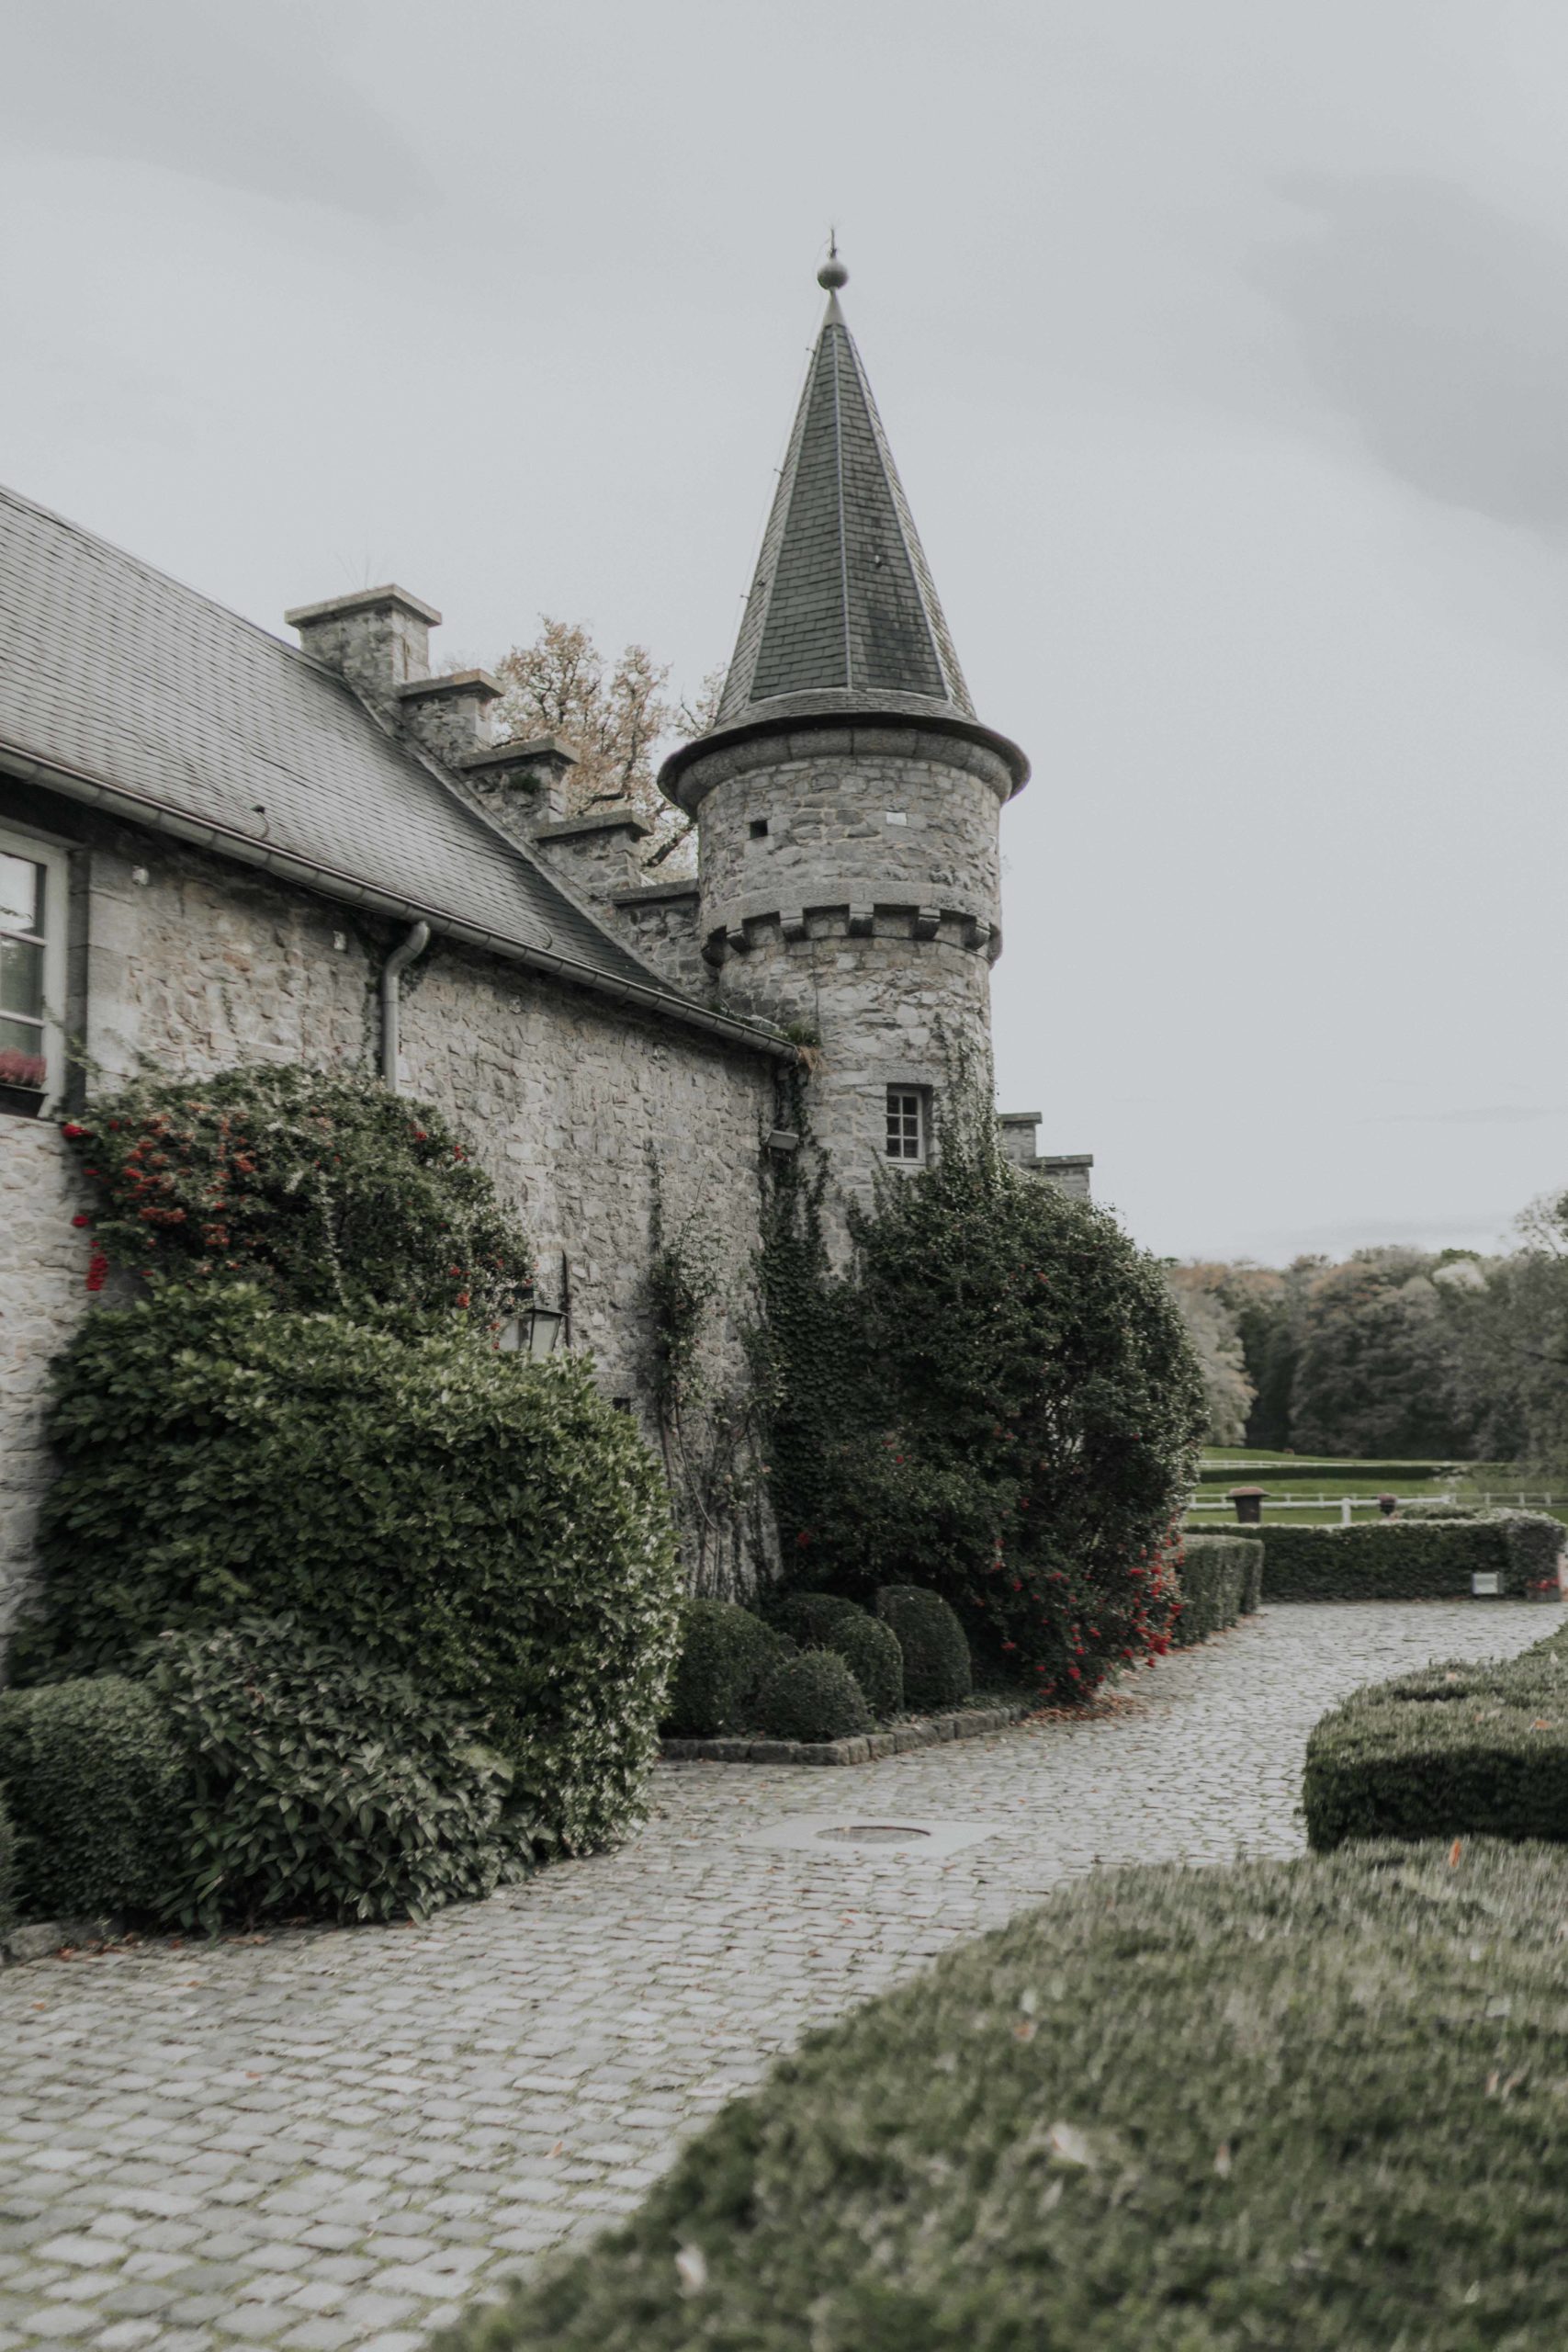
<point>535,1332</point>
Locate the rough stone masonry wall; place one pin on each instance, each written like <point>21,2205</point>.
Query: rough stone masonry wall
<point>43,1259</point>
<point>867,911</point>
<point>193,965</point>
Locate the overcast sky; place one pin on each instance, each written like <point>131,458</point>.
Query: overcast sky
<point>1223,348</point>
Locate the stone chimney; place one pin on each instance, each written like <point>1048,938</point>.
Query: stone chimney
<point>1068,1170</point>
<point>1017,1129</point>
<point>596,853</point>
<point>518,784</point>
<point>379,639</point>
<point>450,715</point>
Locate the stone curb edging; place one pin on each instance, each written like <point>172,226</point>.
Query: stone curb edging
<point>41,1939</point>
<point>865,1748</point>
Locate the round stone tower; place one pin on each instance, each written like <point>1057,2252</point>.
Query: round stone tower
<point>847,799</point>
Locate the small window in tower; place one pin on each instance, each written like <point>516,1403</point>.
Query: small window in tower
<point>759,828</point>
<point>906,1125</point>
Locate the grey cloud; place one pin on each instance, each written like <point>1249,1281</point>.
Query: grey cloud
<point>1438,324</point>
<point>247,101</point>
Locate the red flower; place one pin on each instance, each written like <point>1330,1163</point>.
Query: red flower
<point>72,1132</point>
<point>98,1270</point>
<point>80,1217</point>
<point>462,1298</point>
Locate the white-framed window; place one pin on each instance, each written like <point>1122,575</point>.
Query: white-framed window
<point>33,880</point>
<point>907,1125</point>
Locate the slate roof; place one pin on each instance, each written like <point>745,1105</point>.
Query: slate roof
<point>843,597</point>
<point>843,618</point>
<point>120,676</point>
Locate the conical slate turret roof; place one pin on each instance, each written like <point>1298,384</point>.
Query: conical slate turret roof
<point>843,618</point>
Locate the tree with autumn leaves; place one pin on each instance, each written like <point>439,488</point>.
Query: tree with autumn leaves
<point>618,716</point>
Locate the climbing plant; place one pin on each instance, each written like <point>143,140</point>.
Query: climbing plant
<point>708,1427</point>
<point>330,1191</point>
<point>998,1401</point>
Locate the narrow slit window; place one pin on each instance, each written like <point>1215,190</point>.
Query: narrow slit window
<point>906,1123</point>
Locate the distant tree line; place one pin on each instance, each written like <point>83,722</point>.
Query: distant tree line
<point>1393,1352</point>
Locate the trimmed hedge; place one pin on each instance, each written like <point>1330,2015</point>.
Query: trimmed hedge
<point>938,1670</point>
<point>319,1782</point>
<point>812,1696</point>
<point>725,1656</point>
<point>1215,1576</point>
<point>1313,2104</point>
<point>1407,1560</point>
<point>1450,1751</point>
<point>808,1617</point>
<point>253,1774</point>
<point>870,1649</point>
<point>488,1524</point>
<point>94,1778</point>
<point>826,1621</point>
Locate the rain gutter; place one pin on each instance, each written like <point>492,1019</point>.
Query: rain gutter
<point>141,809</point>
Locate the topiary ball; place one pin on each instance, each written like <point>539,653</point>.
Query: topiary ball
<point>726,1654</point>
<point>808,1615</point>
<point>938,1671</point>
<point>871,1652</point>
<point>812,1696</point>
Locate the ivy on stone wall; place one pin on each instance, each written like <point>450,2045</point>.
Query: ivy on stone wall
<point>709,1427</point>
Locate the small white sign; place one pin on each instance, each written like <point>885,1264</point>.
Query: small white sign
<point>1485,1583</point>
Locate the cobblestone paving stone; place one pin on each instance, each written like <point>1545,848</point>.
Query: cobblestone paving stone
<point>326,2139</point>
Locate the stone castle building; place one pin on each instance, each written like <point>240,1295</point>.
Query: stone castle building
<point>218,847</point>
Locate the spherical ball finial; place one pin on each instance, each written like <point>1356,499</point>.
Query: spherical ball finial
<point>832,274</point>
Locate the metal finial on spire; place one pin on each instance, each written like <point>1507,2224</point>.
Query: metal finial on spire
<point>832,274</point>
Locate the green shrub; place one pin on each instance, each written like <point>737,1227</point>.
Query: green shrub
<point>93,1779</point>
<point>492,1526</point>
<point>812,1696</point>
<point>1214,1573</point>
<point>1452,1751</point>
<point>870,1649</point>
<point>938,1671</point>
<point>1443,1511</point>
<point>998,1401</point>
<point>1307,2104</point>
<point>332,1194</point>
<point>1252,1580</point>
<point>1407,1560</point>
<point>319,1782</point>
<point>808,1617</point>
<point>826,1621</point>
<point>726,1654</point>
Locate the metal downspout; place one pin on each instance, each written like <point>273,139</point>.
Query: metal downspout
<point>392,970</point>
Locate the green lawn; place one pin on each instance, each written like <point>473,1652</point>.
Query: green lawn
<point>1318,1481</point>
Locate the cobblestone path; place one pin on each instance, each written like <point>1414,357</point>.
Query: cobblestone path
<point>322,2139</point>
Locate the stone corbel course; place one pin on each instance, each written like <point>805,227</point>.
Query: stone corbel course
<point>865,1748</point>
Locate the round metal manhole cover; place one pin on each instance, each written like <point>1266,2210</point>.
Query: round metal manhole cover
<point>871,1833</point>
